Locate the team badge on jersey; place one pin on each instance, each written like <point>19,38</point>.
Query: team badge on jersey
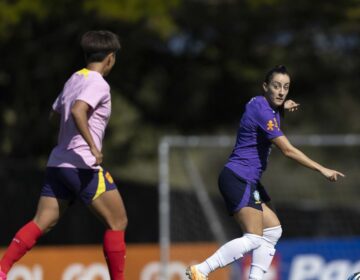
<point>109,178</point>
<point>270,125</point>
<point>257,197</point>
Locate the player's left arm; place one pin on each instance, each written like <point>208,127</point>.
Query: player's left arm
<point>291,152</point>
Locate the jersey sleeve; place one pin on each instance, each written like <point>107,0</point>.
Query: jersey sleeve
<point>93,94</point>
<point>267,122</point>
<point>57,104</point>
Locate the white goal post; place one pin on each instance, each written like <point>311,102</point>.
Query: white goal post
<point>168,142</point>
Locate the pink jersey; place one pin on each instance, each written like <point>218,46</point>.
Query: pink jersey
<point>72,150</point>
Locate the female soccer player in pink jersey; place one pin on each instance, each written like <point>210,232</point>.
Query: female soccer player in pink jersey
<point>74,166</point>
<point>239,182</point>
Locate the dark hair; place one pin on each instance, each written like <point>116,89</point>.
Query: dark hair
<point>278,69</point>
<point>98,44</point>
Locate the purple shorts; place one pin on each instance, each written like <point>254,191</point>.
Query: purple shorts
<point>239,193</point>
<point>71,183</point>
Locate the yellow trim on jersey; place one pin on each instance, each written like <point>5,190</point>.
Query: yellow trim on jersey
<point>101,188</point>
<point>85,72</point>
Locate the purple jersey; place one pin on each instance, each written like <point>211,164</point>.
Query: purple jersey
<point>259,124</point>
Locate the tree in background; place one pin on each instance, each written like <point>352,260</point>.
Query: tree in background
<point>185,67</point>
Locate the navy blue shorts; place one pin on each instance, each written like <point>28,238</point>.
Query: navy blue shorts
<point>239,193</point>
<point>71,183</point>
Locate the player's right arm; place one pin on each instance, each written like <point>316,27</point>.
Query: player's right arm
<point>79,112</point>
<point>291,152</point>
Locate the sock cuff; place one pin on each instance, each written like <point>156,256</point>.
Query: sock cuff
<point>114,240</point>
<point>29,234</point>
<point>272,235</point>
<point>254,237</point>
<point>272,228</point>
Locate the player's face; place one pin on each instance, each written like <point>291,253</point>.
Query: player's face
<point>277,89</point>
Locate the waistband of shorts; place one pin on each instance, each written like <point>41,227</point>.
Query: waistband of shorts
<point>240,177</point>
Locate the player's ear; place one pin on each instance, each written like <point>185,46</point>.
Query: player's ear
<point>113,57</point>
<point>265,87</point>
<point>108,58</point>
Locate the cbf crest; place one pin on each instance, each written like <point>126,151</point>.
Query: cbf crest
<point>256,195</point>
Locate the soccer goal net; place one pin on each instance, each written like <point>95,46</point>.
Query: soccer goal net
<point>191,210</point>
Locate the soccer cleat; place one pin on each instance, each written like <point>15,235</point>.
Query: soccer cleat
<point>194,274</point>
<point>2,275</point>
<point>355,276</point>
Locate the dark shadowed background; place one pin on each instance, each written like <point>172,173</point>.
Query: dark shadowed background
<point>186,67</point>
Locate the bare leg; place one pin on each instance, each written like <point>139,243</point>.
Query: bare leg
<point>263,255</point>
<point>250,220</point>
<point>48,213</point>
<point>109,207</point>
<point>270,219</point>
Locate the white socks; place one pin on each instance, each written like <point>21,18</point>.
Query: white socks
<point>263,255</point>
<point>263,248</point>
<point>229,252</point>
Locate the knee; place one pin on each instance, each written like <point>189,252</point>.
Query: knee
<point>119,223</point>
<point>253,241</point>
<point>272,234</point>
<point>45,224</point>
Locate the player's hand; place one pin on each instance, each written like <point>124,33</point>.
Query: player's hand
<point>97,154</point>
<point>331,175</point>
<point>291,105</point>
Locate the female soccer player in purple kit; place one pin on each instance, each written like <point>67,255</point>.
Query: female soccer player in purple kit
<point>73,169</point>
<point>239,181</point>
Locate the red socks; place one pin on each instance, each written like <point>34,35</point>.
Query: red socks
<point>114,251</point>
<point>26,237</point>
<point>23,241</point>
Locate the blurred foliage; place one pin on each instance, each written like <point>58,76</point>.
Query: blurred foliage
<point>186,67</point>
